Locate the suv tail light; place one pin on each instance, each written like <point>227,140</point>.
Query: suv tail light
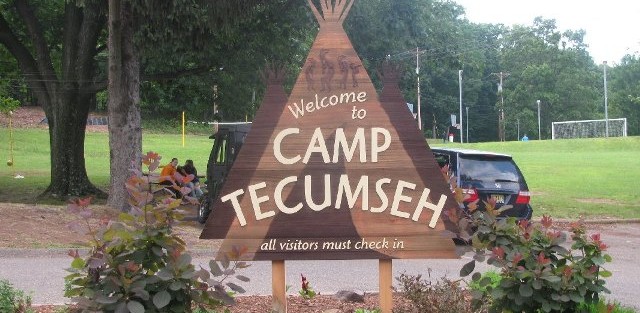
<point>523,197</point>
<point>471,193</point>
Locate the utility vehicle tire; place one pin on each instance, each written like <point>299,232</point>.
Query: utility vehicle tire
<point>204,210</point>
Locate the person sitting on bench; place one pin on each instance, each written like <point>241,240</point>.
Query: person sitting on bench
<point>189,169</point>
<point>167,176</point>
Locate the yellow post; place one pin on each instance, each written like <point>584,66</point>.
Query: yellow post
<point>10,162</point>
<point>183,129</point>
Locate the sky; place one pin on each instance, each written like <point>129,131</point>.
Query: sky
<point>612,27</point>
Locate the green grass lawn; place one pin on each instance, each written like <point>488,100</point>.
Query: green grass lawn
<point>32,159</point>
<point>568,178</point>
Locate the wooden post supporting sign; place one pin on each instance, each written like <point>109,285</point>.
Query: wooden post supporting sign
<point>385,268</point>
<point>278,286</point>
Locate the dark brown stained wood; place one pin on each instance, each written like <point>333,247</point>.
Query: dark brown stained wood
<point>332,69</point>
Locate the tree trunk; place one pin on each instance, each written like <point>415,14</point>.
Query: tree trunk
<point>66,135</point>
<point>125,133</point>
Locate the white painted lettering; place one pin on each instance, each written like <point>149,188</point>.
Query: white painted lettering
<point>277,143</point>
<point>299,110</point>
<point>341,142</point>
<point>361,189</point>
<point>375,148</point>
<point>344,97</point>
<point>308,195</point>
<point>310,107</point>
<point>277,196</point>
<point>255,200</point>
<point>400,197</point>
<point>382,195</point>
<point>236,205</point>
<point>322,102</point>
<point>317,145</point>
<point>362,96</point>
<point>424,203</point>
<point>333,100</point>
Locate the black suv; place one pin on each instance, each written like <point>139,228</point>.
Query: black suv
<point>483,175</point>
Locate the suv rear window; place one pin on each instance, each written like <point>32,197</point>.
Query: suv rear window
<point>488,169</point>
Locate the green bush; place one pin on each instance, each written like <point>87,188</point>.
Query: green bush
<point>8,104</point>
<point>13,300</point>
<point>137,264</point>
<point>538,272</point>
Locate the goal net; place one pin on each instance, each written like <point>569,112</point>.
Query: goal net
<point>589,129</point>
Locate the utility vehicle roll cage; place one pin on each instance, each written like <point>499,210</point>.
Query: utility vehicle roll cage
<point>227,142</point>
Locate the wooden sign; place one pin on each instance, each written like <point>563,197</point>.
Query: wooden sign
<point>334,170</point>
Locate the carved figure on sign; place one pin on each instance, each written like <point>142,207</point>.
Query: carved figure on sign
<point>325,81</point>
<point>344,69</point>
<point>323,60</point>
<point>355,69</point>
<point>308,73</point>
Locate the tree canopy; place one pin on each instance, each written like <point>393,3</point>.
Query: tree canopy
<point>54,54</point>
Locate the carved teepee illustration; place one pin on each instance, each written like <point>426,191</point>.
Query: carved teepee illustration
<point>333,165</point>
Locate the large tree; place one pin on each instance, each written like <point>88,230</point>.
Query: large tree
<point>553,67</point>
<point>55,44</point>
<point>624,89</point>
<point>171,28</point>
<point>125,132</point>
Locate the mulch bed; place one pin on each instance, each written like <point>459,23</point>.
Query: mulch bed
<point>295,304</point>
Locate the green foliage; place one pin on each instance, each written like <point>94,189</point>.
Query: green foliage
<point>13,300</point>
<point>603,307</point>
<point>488,280</point>
<point>624,91</point>
<point>8,105</point>
<point>138,264</point>
<point>360,310</point>
<point>537,271</point>
<point>444,295</point>
<point>305,290</point>
<point>552,66</point>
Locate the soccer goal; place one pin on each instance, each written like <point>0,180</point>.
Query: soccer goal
<point>589,129</point>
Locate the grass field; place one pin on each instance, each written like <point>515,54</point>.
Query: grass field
<point>568,178</point>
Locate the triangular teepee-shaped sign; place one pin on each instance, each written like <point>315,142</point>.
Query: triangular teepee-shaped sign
<point>333,171</point>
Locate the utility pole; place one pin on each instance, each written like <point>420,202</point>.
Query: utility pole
<point>435,128</point>
<point>467,115</point>
<point>404,55</point>
<point>538,102</point>
<point>501,128</point>
<point>460,86</point>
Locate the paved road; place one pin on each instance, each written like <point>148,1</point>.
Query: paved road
<point>42,271</point>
